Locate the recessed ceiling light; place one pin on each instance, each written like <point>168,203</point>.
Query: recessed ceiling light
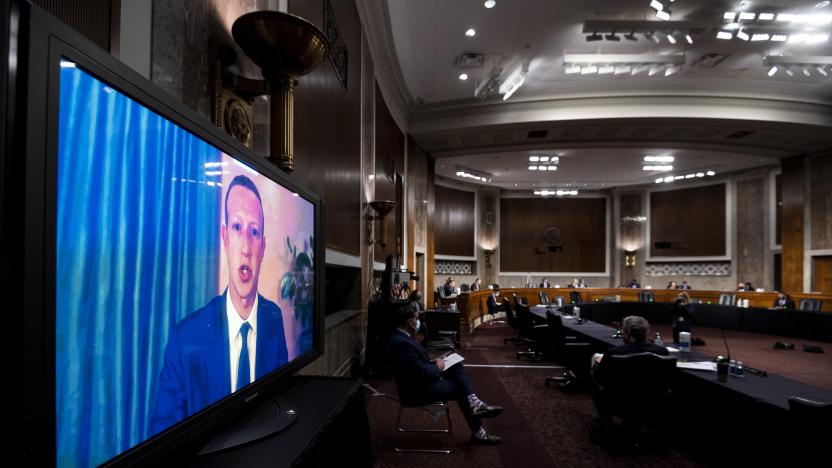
<point>657,5</point>
<point>671,39</point>
<point>700,174</point>
<point>534,158</point>
<point>747,16</point>
<point>729,16</point>
<point>710,173</point>
<point>743,35</point>
<point>532,168</point>
<point>663,15</point>
<point>772,70</point>
<point>463,76</point>
<point>669,179</point>
<point>806,71</point>
<point>779,38</point>
<point>821,71</point>
<point>760,37</point>
<point>471,32</point>
<point>724,35</point>
<point>789,72</point>
<point>689,39</point>
<point>766,16</point>
<point>544,158</point>
<point>659,180</point>
<point>659,158</point>
<point>490,3</point>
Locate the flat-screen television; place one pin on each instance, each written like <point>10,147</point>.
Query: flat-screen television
<point>167,276</point>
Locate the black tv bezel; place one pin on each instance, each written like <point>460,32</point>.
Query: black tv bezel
<point>42,41</point>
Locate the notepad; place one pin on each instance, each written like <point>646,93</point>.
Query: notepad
<point>671,349</point>
<point>452,359</point>
<point>703,366</point>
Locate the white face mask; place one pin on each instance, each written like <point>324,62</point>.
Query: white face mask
<point>418,325</point>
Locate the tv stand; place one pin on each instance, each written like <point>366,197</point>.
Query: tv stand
<point>330,420</point>
<point>272,416</point>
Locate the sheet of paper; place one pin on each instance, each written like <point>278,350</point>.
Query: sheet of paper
<point>671,349</point>
<point>452,359</point>
<point>704,365</point>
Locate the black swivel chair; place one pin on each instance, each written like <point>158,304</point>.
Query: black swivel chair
<point>513,322</point>
<point>410,402</point>
<point>645,296</point>
<point>436,343</point>
<point>464,287</point>
<point>572,354</point>
<point>576,297</point>
<point>531,332</point>
<point>806,417</point>
<point>518,300</point>
<point>810,305</point>
<point>636,387</point>
<point>544,298</point>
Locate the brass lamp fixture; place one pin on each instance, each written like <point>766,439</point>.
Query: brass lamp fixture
<point>284,46</point>
<point>629,258</point>
<point>488,254</point>
<point>382,208</point>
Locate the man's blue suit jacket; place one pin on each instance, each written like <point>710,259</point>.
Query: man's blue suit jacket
<point>412,368</point>
<point>196,369</point>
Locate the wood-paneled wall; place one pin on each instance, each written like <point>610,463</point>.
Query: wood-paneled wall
<point>328,130</point>
<point>691,219</point>
<point>389,161</point>
<point>792,182</point>
<point>582,225</point>
<point>454,217</point>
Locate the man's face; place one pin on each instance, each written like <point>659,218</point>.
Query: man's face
<point>244,242</point>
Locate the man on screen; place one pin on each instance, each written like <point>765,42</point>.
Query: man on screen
<point>237,337</point>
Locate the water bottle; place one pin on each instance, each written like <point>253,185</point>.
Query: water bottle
<point>576,311</point>
<point>684,342</point>
<point>739,369</point>
<point>732,367</point>
<point>658,339</point>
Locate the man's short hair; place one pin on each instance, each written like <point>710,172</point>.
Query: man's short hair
<point>244,182</point>
<point>637,327</point>
<point>405,313</point>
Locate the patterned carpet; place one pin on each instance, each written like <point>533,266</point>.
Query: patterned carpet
<point>541,426</point>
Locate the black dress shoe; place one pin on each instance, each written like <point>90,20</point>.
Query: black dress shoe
<point>487,440</point>
<point>487,411</point>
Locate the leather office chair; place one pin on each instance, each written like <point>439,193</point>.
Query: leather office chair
<point>544,297</point>
<point>464,287</point>
<point>435,343</point>
<point>531,333</point>
<point>513,322</point>
<point>518,300</point>
<point>645,296</point>
<point>811,305</point>
<point>728,299</point>
<point>575,296</point>
<point>636,387</point>
<point>410,402</point>
<point>807,416</point>
<point>572,354</point>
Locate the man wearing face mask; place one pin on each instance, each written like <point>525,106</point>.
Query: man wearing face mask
<point>420,379</point>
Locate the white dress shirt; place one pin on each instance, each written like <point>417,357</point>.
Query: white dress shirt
<point>235,340</point>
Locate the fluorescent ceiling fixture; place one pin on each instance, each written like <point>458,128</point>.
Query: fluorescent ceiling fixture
<point>552,168</point>
<point>679,177</point>
<point>700,174</point>
<point>729,16</point>
<point>572,70</point>
<point>817,38</point>
<point>773,70</point>
<point>760,37</point>
<point>625,59</point>
<point>657,5</point>
<point>766,16</point>
<point>544,158</point>
<point>532,168</point>
<point>779,38</point>
<point>689,39</point>
<point>731,26</point>
<point>789,72</point>
<point>663,15</point>
<point>659,159</point>
<point>724,35</point>
<point>668,179</point>
<point>463,76</point>
<point>490,3</point>
<point>589,69</point>
<point>711,173</point>
<point>460,173</point>
<point>606,70</point>
<point>659,180</point>
<point>690,176</point>
<point>742,35</point>
<point>471,32</point>
<point>514,81</point>
<point>667,167</point>
<point>671,39</point>
<point>821,71</point>
<point>555,160</point>
<point>823,4</point>
<point>806,72</point>
<point>747,16</point>
<point>534,158</point>
<point>623,69</point>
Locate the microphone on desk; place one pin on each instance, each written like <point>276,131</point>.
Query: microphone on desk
<point>725,340</point>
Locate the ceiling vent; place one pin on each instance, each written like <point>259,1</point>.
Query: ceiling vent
<point>537,134</point>
<point>709,60</point>
<point>470,60</point>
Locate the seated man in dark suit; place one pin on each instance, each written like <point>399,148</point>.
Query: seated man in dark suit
<point>635,330</point>
<point>682,315</point>
<point>545,283</point>
<point>492,304</point>
<point>684,285</point>
<point>476,285</point>
<point>419,378</point>
<point>783,302</point>
<point>634,284</point>
<point>450,288</point>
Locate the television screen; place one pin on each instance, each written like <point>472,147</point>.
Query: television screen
<point>182,274</point>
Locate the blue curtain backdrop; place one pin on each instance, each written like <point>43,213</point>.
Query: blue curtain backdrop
<point>137,250</point>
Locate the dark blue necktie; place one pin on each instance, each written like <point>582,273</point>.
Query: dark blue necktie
<point>243,367</point>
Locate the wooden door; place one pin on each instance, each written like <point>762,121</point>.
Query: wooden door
<point>823,274</point>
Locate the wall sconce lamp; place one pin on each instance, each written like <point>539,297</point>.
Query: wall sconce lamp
<point>630,258</point>
<point>285,47</point>
<point>382,208</point>
<point>488,253</point>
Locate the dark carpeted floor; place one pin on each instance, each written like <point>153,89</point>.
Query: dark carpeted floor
<point>541,426</point>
